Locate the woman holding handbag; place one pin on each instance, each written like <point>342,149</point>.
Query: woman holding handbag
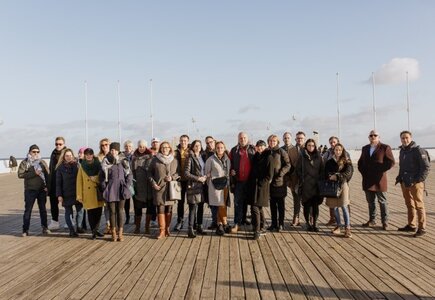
<point>309,170</point>
<point>217,169</point>
<point>195,175</point>
<point>339,168</point>
<point>163,171</point>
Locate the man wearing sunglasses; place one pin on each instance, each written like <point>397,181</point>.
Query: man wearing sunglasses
<point>376,159</point>
<point>54,203</point>
<point>34,171</point>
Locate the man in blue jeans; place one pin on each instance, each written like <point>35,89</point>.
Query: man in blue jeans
<point>241,162</point>
<point>376,159</point>
<point>34,171</point>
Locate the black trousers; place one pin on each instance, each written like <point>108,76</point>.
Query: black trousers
<point>180,203</point>
<point>296,204</point>
<point>94,217</point>
<point>54,208</point>
<point>127,209</point>
<point>258,219</point>
<point>277,206</point>
<point>311,209</point>
<point>117,217</point>
<point>196,214</point>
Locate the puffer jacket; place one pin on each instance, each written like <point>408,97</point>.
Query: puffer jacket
<point>414,165</point>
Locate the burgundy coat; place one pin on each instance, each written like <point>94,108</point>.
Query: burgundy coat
<point>374,168</point>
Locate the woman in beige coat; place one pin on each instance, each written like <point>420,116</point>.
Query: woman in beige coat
<point>86,188</point>
<point>217,170</point>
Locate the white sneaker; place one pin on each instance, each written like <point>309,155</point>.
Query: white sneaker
<point>54,225</point>
<point>65,226</point>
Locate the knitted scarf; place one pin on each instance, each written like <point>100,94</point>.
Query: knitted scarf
<point>91,169</point>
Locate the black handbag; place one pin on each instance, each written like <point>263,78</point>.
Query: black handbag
<point>220,182</point>
<point>329,188</point>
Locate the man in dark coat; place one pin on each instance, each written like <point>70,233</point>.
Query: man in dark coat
<point>182,156</point>
<point>294,154</point>
<point>241,163</point>
<point>54,203</point>
<point>414,167</point>
<point>376,159</point>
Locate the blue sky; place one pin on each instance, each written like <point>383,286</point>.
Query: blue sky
<point>231,65</point>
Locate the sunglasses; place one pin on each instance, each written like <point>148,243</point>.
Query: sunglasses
<point>35,151</point>
<point>373,135</point>
<point>57,144</point>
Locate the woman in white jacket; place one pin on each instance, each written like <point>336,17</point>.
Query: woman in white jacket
<point>217,169</point>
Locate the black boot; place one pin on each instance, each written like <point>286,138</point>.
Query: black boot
<point>200,230</point>
<point>191,233</point>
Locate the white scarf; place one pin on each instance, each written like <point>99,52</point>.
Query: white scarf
<point>35,162</point>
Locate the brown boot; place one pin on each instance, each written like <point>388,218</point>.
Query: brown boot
<point>137,224</point>
<point>113,234</point>
<point>168,220</point>
<point>347,233</point>
<point>121,235</point>
<point>147,224</point>
<point>162,225</point>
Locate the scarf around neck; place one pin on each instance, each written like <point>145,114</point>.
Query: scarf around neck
<point>35,162</point>
<point>166,159</point>
<point>91,169</point>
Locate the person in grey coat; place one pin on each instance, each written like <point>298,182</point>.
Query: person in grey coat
<point>66,180</point>
<point>194,172</point>
<point>164,168</point>
<point>116,178</point>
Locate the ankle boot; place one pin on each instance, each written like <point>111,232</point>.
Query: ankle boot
<point>347,233</point>
<point>137,224</point>
<point>147,224</point>
<point>162,225</point>
<point>168,219</point>
<point>121,235</point>
<point>113,234</point>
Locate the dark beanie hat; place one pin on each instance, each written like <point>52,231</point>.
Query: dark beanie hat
<point>116,146</point>
<point>88,151</point>
<point>33,147</point>
<point>260,143</point>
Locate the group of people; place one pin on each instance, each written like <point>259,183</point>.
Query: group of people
<point>258,176</point>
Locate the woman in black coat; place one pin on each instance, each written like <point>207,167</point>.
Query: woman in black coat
<point>260,179</point>
<point>66,178</point>
<point>278,187</point>
<point>309,170</point>
<point>195,175</point>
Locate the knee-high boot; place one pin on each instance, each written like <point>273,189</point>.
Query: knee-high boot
<point>162,225</point>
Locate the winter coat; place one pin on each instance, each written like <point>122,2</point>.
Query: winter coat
<point>260,179</point>
<point>374,168</point>
<point>281,166</point>
<point>158,171</point>
<point>140,166</point>
<point>32,181</point>
<point>66,179</point>
<point>294,154</point>
<point>86,190</point>
<point>344,174</point>
<point>54,159</point>
<point>214,168</point>
<point>116,185</point>
<point>414,165</point>
<point>195,189</point>
<point>309,170</point>
<point>235,157</point>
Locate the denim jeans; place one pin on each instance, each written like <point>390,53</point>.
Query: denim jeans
<point>214,213</point>
<point>346,216</point>
<point>29,200</point>
<point>69,215</point>
<point>382,199</point>
<point>240,202</point>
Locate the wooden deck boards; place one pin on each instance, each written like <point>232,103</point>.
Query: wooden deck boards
<point>294,264</point>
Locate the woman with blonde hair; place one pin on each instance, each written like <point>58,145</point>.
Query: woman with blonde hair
<point>217,170</point>
<point>104,150</point>
<point>66,179</point>
<point>163,169</point>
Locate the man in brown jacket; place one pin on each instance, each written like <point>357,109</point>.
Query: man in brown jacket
<point>294,153</point>
<point>376,159</point>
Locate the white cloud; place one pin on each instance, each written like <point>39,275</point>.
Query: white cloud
<point>395,71</point>
<point>247,108</point>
